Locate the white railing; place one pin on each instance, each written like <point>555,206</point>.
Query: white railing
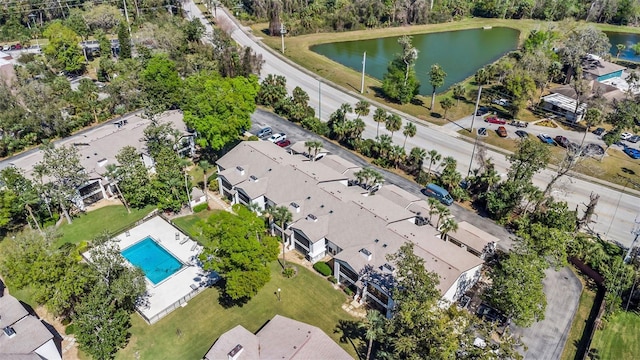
<point>166,311</point>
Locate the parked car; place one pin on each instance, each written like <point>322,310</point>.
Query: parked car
<point>482,131</point>
<point>490,314</point>
<point>592,150</point>
<point>634,139</point>
<point>633,153</point>
<point>598,131</point>
<point>495,120</point>
<point>502,131</point>
<point>482,110</point>
<point>626,136</point>
<point>277,137</point>
<point>6,47</point>
<point>501,102</point>
<point>435,191</point>
<point>522,134</point>
<point>283,143</point>
<point>18,46</point>
<point>545,138</point>
<point>264,132</point>
<point>562,141</point>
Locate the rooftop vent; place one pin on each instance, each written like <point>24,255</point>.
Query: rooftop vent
<point>376,240</point>
<point>366,253</point>
<point>312,217</point>
<point>9,331</point>
<point>388,268</point>
<point>308,197</point>
<point>296,207</point>
<point>240,170</point>
<point>330,211</point>
<point>384,245</point>
<point>253,178</point>
<point>102,162</point>
<point>235,352</point>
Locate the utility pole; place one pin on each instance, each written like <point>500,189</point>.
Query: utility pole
<point>473,119</point>
<point>124,201</point>
<point>364,62</point>
<point>636,232</point>
<point>320,99</point>
<point>126,16</point>
<point>282,31</point>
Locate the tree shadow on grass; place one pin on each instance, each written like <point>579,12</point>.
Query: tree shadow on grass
<point>349,331</point>
<point>225,300</point>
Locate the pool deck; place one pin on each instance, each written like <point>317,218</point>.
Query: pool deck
<point>175,288</point>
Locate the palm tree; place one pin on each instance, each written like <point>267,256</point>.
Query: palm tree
<point>374,329</point>
<point>346,108</point>
<point>458,92</point>
<point>205,166</point>
<point>393,123</point>
<point>383,145</point>
<point>450,177</point>
<point>442,212</point>
<point>448,225</point>
<point>620,48</point>
<point>410,130</point>
<point>357,128</point>
<point>281,216</point>
<point>417,156</point>
<point>396,154</point>
<point>380,115</point>
<point>446,104</point>
<point>433,208</point>
<point>314,145</point>
<point>362,108</point>
<point>433,157</point>
<point>436,78</point>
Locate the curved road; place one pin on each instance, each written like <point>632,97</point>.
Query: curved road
<point>615,213</point>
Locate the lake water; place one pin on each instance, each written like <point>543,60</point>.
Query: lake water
<point>460,53</point>
<point>627,39</point>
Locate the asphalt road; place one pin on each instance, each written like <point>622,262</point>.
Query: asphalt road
<point>615,213</point>
<point>545,339</point>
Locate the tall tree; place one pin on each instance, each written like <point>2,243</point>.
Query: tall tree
<point>374,326</point>
<point>273,89</point>
<point>315,146</point>
<point>436,78</point>
<point>446,104</point>
<point>219,109</point>
<point>434,157</point>
<point>65,176</point>
<point>124,40</point>
<point>380,115</point>
<point>161,83</point>
<point>362,108</point>
<point>281,216</point>
<point>63,50</point>
<point>393,123</point>
<point>458,92</point>
<point>400,83</point>
<point>132,178</point>
<point>410,130</point>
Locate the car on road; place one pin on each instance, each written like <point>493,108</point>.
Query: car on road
<point>283,143</point>
<point>626,136</point>
<point>633,153</point>
<point>562,141</point>
<point>501,102</point>
<point>634,139</point>
<point>490,314</point>
<point>495,120</point>
<point>264,132</point>
<point>522,134</point>
<point>277,137</point>
<point>545,138</point>
<point>598,131</point>
<point>482,131</point>
<point>502,131</point>
<point>435,191</point>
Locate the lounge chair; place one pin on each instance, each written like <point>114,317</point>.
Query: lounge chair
<point>195,245</point>
<point>194,286</point>
<point>184,240</point>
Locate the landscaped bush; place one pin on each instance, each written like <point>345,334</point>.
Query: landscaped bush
<point>200,207</point>
<point>333,279</point>
<point>322,268</point>
<point>70,329</point>
<point>253,138</point>
<point>348,291</point>
<point>289,272</point>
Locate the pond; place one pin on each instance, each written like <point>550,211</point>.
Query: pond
<point>460,53</point>
<point>628,40</point>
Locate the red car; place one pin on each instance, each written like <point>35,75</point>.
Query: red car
<point>502,131</point>
<point>283,143</point>
<point>495,120</point>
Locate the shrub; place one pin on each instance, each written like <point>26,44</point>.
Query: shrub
<point>348,291</point>
<point>322,268</point>
<point>289,272</point>
<point>200,207</point>
<point>70,329</point>
<point>333,279</point>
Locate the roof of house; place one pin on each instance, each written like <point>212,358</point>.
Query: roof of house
<point>98,146</point>
<point>597,66</point>
<point>30,332</point>
<point>473,237</point>
<point>339,164</point>
<point>398,195</point>
<point>559,99</point>
<point>300,148</point>
<point>280,338</point>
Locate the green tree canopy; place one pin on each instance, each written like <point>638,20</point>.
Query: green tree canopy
<point>400,82</point>
<point>161,83</point>
<point>436,78</point>
<point>63,50</point>
<point>132,177</point>
<point>218,108</point>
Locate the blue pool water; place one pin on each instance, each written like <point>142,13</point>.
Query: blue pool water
<point>156,262</point>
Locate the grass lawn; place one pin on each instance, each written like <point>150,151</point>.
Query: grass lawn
<point>190,224</point>
<point>619,339</point>
<point>109,218</point>
<point>189,332</point>
<point>575,342</point>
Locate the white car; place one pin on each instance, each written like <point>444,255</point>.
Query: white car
<point>277,137</point>
<point>501,102</point>
<point>626,136</point>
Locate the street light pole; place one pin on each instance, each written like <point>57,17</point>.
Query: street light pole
<point>473,120</point>
<point>278,294</point>
<point>320,99</point>
<point>364,62</point>
<point>282,31</point>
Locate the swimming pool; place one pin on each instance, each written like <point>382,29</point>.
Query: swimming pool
<point>156,262</point>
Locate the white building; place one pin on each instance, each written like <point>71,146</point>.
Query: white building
<point>330,217</point>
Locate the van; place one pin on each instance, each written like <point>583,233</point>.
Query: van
<point>435,191</point>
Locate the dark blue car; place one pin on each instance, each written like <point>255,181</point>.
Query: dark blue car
<point>633,153</point>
